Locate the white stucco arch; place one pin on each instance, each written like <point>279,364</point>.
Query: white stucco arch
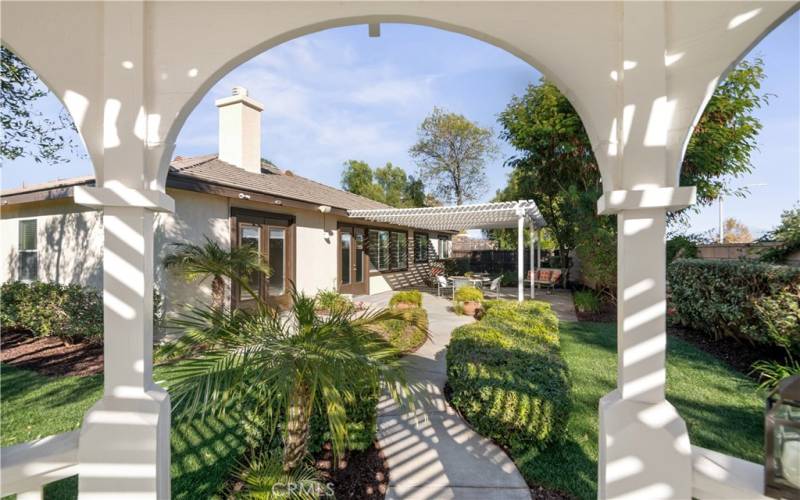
<point>177,124</point>
<point>638,73</point>
<point>722,75</point>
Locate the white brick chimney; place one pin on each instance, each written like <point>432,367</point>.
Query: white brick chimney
<point>240,130</point>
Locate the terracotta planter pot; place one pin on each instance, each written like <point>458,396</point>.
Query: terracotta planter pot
<point>470,307</point>
<point>402,306</point>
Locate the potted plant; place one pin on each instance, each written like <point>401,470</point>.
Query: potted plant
<point>469,299</point>
<point>409,299</point>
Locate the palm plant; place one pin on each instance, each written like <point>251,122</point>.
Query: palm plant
<point>201,261</point>
<point>290,364</point>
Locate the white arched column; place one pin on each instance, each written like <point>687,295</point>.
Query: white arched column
<point>644,444</point>
<point>124,446</point>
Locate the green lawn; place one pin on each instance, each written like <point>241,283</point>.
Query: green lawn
<point>34,406</point>
<point>721,407</point>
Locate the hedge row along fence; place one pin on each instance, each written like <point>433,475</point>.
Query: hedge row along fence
<point>750,301</point>
<point>71,312</point>
<point>507,375</point>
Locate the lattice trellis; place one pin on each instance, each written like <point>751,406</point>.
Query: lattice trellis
<point>457,217</point>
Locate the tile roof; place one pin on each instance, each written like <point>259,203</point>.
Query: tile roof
<point>210,169</point>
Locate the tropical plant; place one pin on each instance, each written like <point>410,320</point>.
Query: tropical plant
<point>468,294</point>
<point>586,301</point>
<point>292,364</point>
<point>195,262</point>
<point>263,477</point>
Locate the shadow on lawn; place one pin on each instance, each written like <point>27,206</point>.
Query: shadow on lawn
<point>18,382</point>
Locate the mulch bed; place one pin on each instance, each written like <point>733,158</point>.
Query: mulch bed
<point>608,314</point>
<point>738,355</point>
<point>360,474</point>
<point>50,355</point>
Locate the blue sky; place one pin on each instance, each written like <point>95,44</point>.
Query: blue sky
<point>339,95</point>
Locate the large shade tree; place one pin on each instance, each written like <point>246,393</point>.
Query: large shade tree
<point>451,152</point>
<point>556,165</point>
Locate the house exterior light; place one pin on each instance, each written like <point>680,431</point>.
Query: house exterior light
<point>782,440</point>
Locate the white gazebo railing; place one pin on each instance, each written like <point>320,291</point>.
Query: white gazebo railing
<point>26,468</point>
<point>496,215</point>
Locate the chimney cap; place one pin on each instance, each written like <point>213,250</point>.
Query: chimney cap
<point>239,95</point>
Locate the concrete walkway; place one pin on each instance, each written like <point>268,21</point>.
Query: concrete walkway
<point>433,453</point>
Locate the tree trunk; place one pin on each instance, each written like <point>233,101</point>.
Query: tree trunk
<point>218,292</point>
<point>295,443</point>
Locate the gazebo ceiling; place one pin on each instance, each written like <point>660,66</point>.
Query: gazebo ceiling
<point>497,215</point>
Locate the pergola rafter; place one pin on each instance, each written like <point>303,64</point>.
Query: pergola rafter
<point>496,215</point>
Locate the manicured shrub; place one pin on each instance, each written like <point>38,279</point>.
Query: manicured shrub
<point>411,297</point>
<point>468,294</point>
<point>586,301</point>
<point>746,300</point>
<point>409,332</point>
<point>71,312</point>
<point>507,375</point>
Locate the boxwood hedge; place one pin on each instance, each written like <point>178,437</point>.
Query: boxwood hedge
<point>71,312</point>
<point>747,300</point>
<point>507,375</point>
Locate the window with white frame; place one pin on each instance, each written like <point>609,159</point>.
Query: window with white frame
<point>28,251</point>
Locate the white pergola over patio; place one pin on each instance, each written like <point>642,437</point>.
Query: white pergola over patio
<point>498,215</point>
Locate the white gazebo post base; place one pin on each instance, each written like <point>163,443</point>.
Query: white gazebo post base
<point>644,445</point>
<point>644,450</point>
<point>124,445</point>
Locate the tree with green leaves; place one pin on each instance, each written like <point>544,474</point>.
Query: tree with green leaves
<point>392,182</point>
<point>357,177</point>
<point>26,132</point>
<point>210,260</point>
<point>787,234</point>
<point>388,184</point>
<point>451,152</point>
<point>415,192</point>
<point>556,166</point>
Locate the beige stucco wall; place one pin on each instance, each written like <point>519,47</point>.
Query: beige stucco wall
<point>69,242</point>
<point>196,216</point>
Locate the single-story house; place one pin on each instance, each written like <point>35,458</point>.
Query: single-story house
<point>233,197</point>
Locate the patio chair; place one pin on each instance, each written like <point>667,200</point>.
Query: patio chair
<point>442,283</point>
<point>494,286</point>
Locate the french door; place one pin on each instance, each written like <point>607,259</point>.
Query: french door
<point>271,235</point>
<point>353,268</point>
